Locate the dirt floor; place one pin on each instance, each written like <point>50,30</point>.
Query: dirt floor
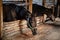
<point>44,32</point>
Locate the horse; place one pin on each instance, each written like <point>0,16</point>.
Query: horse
<point>40,11</point>
<point>9,13</point>
<point>13,12</point>
<point>23,13</point>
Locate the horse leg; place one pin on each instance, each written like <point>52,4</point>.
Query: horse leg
<point>33,29</point>
<point>44,18</point>
<point>41,19</point>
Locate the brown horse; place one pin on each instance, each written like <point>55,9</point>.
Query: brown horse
<point>9,13</point>
<point>14,12</point>
<point>40,11</point>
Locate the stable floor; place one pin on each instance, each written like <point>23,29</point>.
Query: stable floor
<point>44,32</point>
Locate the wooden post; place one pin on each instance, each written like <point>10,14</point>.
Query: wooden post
<point>1,19</point>
<point>30,6</point>
<point>43,2</point>
<point>53,6</point>
<point>58,8</point>
<point>26,3</point>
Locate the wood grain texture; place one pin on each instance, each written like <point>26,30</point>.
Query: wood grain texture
<point>1,19</point>
<point>43,2</point>
<point>30,6</point>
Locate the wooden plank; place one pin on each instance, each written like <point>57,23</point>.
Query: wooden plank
<point>1,18</point>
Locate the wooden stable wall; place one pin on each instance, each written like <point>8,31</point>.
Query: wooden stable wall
<point>1,19</point>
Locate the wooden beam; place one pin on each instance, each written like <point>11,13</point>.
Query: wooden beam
<point>30,6</point>
<point>1,18</point>
<point>53,6</point>
<point>43,2</point>
<point>26,3</point>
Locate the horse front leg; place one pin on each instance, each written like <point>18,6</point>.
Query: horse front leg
<point>44,18</point>
<point>31,25</point>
